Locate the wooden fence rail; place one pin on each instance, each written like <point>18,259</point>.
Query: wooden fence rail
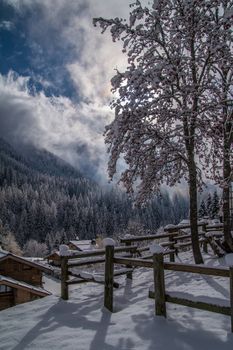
<point>173,241</point>
<point>147,237</point>
<point>94,257</point>
<point>159,266</point>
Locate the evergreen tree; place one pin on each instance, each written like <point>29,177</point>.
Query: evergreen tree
<point>209,205</point>
<point>215,205</point>
<point>202,210</point>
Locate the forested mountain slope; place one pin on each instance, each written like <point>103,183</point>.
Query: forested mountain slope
<point>44,198</point>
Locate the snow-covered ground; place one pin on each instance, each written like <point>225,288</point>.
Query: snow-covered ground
<point>82,322</point>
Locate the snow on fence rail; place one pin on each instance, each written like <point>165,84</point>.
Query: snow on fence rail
<point>71,259</point>
<point>176,240</point>
<point>79,259</point>
<point>158,265</point>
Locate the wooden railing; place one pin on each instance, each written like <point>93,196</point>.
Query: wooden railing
<point>176,240</point>
<point>161,297</point>
<point>80,259</point>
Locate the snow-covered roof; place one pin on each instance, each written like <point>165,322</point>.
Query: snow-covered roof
<point>184,222</point>
<point>15,283</point>
<point>5,254</point>
<point>82,245</point>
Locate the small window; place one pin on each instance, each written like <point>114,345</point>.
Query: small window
<point>5,289</point>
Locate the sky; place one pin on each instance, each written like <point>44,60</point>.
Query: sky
<point>55,71</point>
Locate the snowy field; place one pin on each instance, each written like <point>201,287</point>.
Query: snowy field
<point>83,324</point>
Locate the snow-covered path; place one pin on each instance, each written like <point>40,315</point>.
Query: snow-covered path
<point>82,323</point>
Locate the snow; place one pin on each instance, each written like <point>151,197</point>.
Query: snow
<point>108,242</point>
<point>64,250</point>
<point>202,221</point>
<point>22,284</point>
<point>83,245</point>
<point>229,259</point>
<point>128,235</point>
<point>3,252</point>
<point>99,278</point>
<point>156,248</point>
<point>215,221</point>
<point>83,323</point>
<point>184,222</point>
<point>52,284</point>
<point>86,275</point>
<point>169,226</point>
<point>214,234</point>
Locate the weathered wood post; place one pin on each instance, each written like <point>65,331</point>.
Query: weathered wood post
<point>231,295</point>
<point>64,278</point>
<point>159,284</point>
<point>109,271</point>
<point>130,273</point>
<point>205,243</point>
<point>64,253</point>
<point>172,247</point>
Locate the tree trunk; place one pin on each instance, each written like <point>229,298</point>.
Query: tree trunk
<point>226,193</point>
<point>227,125</point>
<point>193,210</point>
<point>190,147</point>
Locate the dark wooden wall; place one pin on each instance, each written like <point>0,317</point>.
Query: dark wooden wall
<point>21,272</point>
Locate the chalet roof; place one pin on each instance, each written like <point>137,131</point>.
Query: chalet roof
<point>11,282</point>
<point>6,255</point>
<point>82,245</point>
<point>3,253</point>
<point>53,255</point>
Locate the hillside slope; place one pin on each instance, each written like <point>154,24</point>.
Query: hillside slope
<point>46,199</point>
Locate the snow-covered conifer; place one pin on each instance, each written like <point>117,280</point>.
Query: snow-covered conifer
<point>202,210</point>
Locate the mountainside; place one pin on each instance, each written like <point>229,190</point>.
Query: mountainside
<point>46,199</point>
<point>32,159</point>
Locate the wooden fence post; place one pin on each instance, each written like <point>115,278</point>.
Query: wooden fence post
<point>64,278</point>
<point>172,255</point>
<point>159,285</point>
<point>129,274</point>
<point>109,271</point>
<point>231,295</point>
<point>205,243</point>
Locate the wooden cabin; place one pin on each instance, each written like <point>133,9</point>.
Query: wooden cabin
<point>13,292</point>
<point>22,269</point>
<point>83,245</point>
<point>78,245</point>
<point>20,280</point>
<point>54,259</point>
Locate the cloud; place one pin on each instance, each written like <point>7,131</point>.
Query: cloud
<point>6,25</point>
<point>64,42</point>
<point>54,123</point>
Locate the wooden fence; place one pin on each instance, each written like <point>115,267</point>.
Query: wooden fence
<point>79,259</point>
<point>173,240</point>
<point>177,240</point>
<point>159,266</point>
